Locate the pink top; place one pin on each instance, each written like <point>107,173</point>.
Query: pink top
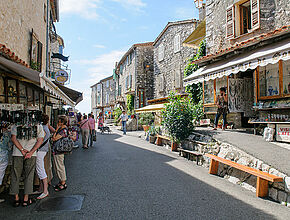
<point>92,123</point>
<point>85,124</point>
<point>100,121</point>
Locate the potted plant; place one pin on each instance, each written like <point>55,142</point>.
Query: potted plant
<point>153,131</point>
<point>146,119</point>
<point>178,119</point>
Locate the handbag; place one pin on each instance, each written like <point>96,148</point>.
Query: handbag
<point>63,145</point>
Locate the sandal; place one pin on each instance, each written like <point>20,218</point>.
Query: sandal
<point>43,195</point>
<point>16,203</point>
<point>59,187</point>
<point>28,202</point>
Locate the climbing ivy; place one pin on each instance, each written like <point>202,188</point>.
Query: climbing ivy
<point>130,103</point>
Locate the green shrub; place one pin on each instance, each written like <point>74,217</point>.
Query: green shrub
<point>116,113</point>
<point>146,119</point>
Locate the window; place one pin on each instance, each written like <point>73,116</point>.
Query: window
<point>176,43</point>
<point>220,83</point>
<point>12,91</point>
<point>269,80</point>
<point>286,77</point>
<point>108,84</point>
<point>99,88</point>
<point>35,53</point>
<point>30,96</point>
<point>2,91</point>
<point>161,52</point>
<point>99,99</point>
<point>60,49</point>
<point>141,98</point>
<point>44,12</point>
<point>22,93</point>
<point>209,92</point>
<point>120,90</point>
<point>107,98</point>
<point>242,18</point>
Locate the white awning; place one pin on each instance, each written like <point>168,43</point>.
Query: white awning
<point>47,85</point>
<point>270,54</point>
<point>150,108</point>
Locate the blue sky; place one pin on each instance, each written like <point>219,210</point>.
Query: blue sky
<point>98,32</point>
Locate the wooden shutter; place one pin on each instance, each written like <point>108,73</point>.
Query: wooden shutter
<point>255,14</point>
<point>230,22</point>
<point>130,81</point>
<point>31,42</point>
<point>39,55</point>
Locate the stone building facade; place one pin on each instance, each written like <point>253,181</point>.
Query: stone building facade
<point>273,14</point>
<point>170,57</point>
<point>103,97</point>
<point>134,75</point>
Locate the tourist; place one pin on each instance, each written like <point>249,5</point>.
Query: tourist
<point>222,104</point>
<point>92,123</point>
<point>23,162</point>
<point>61,132</point>
<point>124,118</point>
<point>4,153</point>
<point>100,121</point>
<point>41,153</point>
<point>85,131</point>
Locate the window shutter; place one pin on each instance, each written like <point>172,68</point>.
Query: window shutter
<point>161,80</point>
<point>175,44</point>
<point>31,42</point>
<point>177,78</point>
<point>39,55</point>
<point>161,52</point>
<point>178,43</point>
<point>230,22</point>
<point>130,81</point>
<point>255,14</point>
<point>126,85</point>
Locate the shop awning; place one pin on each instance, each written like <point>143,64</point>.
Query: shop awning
<point>23,71</point>
<point>74,95</point>
<point>150,108</point>
<point>263,56</point>
<point>196,36</point>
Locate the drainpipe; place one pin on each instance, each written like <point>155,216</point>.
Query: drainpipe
<point>47,36</point>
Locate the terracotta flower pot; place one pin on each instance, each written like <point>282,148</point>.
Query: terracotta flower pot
<point>145,127</point>
<point>152,139</point>
<point>174,146</point>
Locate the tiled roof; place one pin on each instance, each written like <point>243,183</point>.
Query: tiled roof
<point>11,55</point>
<point>246,43</point>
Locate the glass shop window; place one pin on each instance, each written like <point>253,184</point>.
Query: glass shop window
<point>2,91</point>
<point>30,97</point>
<point>22,94</point>
<point>12,91</point>
<point>41,101</point>
<point>36,97</point>
<point>269,80</point>
<point>220,83</point>
<point>209,92</point>
<point>286,77</point>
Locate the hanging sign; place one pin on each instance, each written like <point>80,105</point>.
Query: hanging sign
<point>61,76</point>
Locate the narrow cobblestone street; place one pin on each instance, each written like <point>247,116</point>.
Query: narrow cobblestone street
<point>123,177</point>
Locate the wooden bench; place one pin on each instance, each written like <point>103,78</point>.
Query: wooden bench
<point>189,153</point>
<point>159,139</point>
<point>262,177</point>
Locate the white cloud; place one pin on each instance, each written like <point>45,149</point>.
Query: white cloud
<point>99,46</point>
<point>84,8</point>
<point>137,5</point>
<point>98,68</point>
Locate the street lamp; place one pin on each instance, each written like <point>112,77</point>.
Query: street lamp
<point>198,3</point>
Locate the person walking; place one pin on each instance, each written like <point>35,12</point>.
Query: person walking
<point>85,131</point>
<point>222,104</point>
<point>100,121</point>
<point>24,161</point>
<point>92,123</point>
<point>61,132</point>
<point>5,145</point>
<point>124,118</point>
<point>41,153</point>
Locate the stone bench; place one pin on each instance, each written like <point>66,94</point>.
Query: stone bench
<point>189,153</point>
<point>262,177</point>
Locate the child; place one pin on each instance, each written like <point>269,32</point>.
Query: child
<point>5,145</point>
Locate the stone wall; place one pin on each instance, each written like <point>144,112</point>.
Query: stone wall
<point>274,14</point>
<point>17,21</point>
<point>110,90</point>
<point>277,191</point>
<point>165,70</point>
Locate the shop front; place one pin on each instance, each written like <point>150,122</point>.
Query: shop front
<point>257,83</point>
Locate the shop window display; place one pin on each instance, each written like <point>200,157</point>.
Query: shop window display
<point>220,83</point>
<point>209,92</point>
<point>286,77</point>
<point>269,80</point>
<point>29,96</point>
<point>12,91</point>
<point>2,91</point>
<point>22,93</point>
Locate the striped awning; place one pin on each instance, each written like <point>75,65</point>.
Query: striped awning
<point>150,108</point>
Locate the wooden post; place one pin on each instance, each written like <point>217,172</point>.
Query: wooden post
<point>262,187</point>
<point>159,141</point>
<point>214,165</point>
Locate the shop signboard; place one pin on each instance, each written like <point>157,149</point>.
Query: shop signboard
<point>61,76</point>
<point>11,107</point>
<point>283,132</point>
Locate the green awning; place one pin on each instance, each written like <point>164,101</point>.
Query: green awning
<point>196,36</point>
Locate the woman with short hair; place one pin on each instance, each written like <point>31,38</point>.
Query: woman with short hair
<point>222,104</point>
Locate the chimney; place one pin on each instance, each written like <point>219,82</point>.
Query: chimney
<point>202,12</point>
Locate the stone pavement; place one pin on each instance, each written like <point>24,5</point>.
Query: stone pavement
<point>272,154</point>
<point>125,177</point>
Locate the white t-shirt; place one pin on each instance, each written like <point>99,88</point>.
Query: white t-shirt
<point>26,144</point>
<point>124,117</point>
